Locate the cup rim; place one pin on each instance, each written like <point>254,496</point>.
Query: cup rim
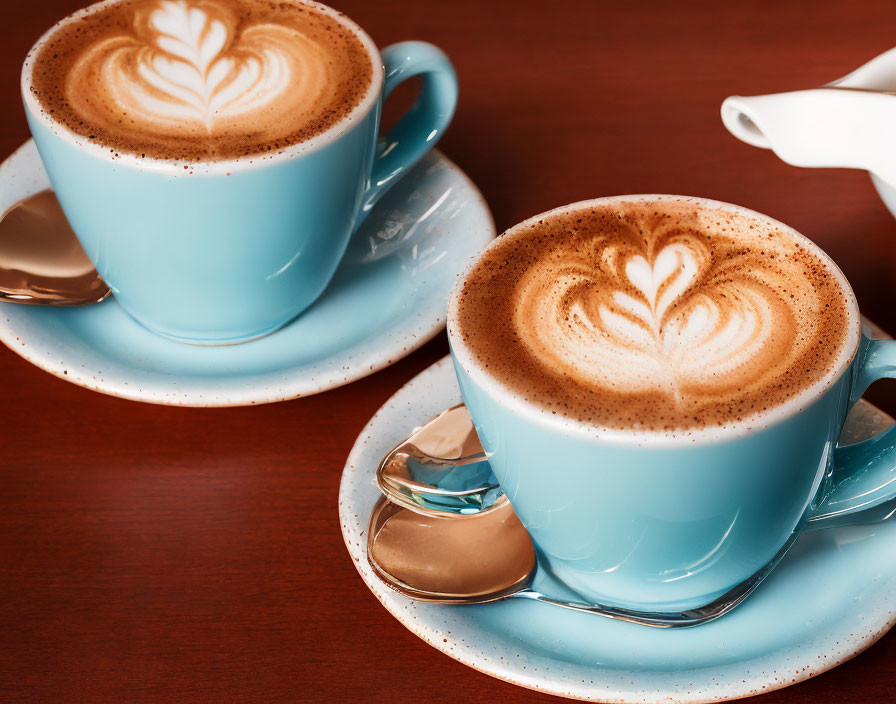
<point>223,166</point>
<point>751,425</point>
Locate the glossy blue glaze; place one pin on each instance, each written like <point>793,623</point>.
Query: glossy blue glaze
<point>210,256</point>
<point>672,527</point>
<point>828,599</point>
<point>417,132</point>
<point>387,298</point>
<point>863,474</point>
<point>204,254</point>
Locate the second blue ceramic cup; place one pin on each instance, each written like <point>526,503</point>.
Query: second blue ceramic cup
<point>225,251</point>
<point>673,530</point>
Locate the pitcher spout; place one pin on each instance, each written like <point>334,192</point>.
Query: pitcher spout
<point>847,123</point>
<point>836,126</point>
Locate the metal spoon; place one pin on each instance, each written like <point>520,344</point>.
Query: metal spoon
<point>443,532</point>
<point>441,468</point>
<point>41,260</point>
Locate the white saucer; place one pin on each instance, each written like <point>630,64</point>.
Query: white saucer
<point>388,298</point>
<point>832,596</point>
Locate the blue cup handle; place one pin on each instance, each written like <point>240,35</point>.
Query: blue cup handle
<point>864,474</point>
<point>422,126</point>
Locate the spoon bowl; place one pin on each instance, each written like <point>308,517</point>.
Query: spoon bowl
<point>441,468</point>
<point>450,559</point>
<point>41,260</point>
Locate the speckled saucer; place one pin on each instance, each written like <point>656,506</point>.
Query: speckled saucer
<point>388,298</point>
<point>832,596</point>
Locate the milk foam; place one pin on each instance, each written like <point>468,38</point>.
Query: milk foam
<point>215,70</point>
<point>652,316</point>
<point>671,323</point>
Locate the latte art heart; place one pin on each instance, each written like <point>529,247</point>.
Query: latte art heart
<point>647,316</point>
<point>220,75</point>
<point>671,324</point>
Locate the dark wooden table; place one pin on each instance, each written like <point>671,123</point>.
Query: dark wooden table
<point>176,555</point>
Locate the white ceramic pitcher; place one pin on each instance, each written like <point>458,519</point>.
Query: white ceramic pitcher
<point>848,123</point>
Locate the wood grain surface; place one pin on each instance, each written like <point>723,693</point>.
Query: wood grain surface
<point>153,554</point>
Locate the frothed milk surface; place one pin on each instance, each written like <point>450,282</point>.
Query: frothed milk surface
<point>200,79</point>
<point>654,315</point>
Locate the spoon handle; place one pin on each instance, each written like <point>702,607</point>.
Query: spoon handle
<point>687,618</point>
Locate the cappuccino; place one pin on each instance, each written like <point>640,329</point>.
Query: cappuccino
<point>200,79</point>
<point>657,315</point>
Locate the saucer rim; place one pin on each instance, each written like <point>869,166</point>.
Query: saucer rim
<point>377,358</point>
<point>442,641</point>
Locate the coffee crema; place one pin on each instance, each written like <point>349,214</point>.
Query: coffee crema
<point>653,315</point>
<point>200,79</point>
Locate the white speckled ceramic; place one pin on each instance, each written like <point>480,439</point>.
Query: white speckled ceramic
<point>388,298</point>
<point>832,596</point>
<point>845,123</point>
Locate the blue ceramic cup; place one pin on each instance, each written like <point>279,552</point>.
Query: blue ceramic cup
<point>679,529</point>
<point>225,251</point>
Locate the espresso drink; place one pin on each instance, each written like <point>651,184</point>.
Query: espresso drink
<point>654,315</point>
<point>200,79</point>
